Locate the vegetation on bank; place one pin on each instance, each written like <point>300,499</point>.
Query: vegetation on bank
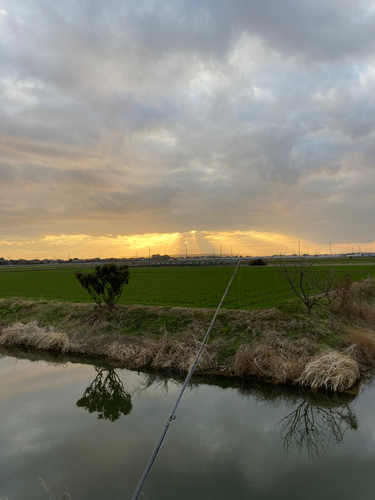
<point>332,347</point>
<point>105,285</point>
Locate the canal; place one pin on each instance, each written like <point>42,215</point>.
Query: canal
<point>90,427</point>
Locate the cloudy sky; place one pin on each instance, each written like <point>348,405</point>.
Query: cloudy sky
<point>130,125</point>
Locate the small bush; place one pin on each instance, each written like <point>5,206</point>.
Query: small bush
<point>258,262</point>
<point>105,284</point>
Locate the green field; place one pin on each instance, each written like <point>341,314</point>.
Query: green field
<point>177,287</point>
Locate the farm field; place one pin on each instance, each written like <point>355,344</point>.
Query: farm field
<point>252,287</point>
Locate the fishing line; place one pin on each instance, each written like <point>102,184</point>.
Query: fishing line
<point>172,415</point>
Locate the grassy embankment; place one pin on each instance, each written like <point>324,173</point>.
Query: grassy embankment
<point>333,347</point>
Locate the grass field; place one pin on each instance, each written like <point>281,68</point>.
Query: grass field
<point>177,287</point>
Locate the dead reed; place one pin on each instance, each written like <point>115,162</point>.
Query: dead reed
<point>31,335</point>
<point>64,495</point>
<point>356,301</point>
<point>165,353</point>
<point>276,360</point>
<point>330,370</point>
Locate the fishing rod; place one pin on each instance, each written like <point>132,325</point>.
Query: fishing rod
<point>172,416</point>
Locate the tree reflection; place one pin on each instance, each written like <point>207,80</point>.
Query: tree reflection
<point>107,396</point>
<point>314,425</point>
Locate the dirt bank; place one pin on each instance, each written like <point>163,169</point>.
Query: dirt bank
<point>332,348</point>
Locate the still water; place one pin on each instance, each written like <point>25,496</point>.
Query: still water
<point>94,427</point>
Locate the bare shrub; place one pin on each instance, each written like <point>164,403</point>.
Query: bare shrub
<point>31,335</point>
<point>364,342</point>
<point>348,305</point>
<point>346,293</point>
<point>330,370</point>
<point>308,283</point>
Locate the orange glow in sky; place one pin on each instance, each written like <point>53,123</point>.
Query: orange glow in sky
<point>251,243</point>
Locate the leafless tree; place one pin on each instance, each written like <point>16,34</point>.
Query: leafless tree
<point>309,282</point>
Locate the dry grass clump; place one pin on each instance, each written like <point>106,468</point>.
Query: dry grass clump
<point>368,314</point>
<point>364,346</point>
<point>354,309</point>
<point>277,360</point>
<point>165,353</point>
<point>354,300</point>
<point>31,335</point>
<point>125,353</point>
<point>330,370</point>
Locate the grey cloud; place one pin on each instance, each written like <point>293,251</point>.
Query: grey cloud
<point>44,175</point>
<point>221,115</point>
<point>319,31</point>
<point>117,203</point>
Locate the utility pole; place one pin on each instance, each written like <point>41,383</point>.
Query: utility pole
<point>220,250</point>
<point>186,253</point>
<point>149,254</point>
<point>299,248</point>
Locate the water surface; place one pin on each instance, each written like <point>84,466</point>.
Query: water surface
<point>95,427</point>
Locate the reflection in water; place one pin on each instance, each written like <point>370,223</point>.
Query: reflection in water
<point>155,379</point>
<point>316,423</point>
<point>225,442</point>
<point>317,420</point>
<point>107,396</point>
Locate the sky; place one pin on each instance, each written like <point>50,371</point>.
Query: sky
<point>166,126</point>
